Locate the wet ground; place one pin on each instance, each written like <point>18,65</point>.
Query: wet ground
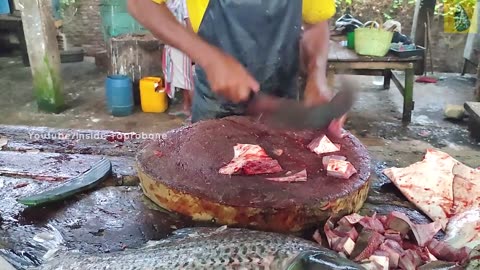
<point>116,214</point>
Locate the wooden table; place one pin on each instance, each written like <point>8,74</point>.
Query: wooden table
<point>344,61</point>
<point>13,23</point>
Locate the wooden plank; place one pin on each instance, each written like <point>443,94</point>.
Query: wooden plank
<point>53,166</point>
<point>473,109</point>
<point>339,66</point>
<point>363,72</point>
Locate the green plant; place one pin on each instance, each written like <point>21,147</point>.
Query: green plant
<point>68,9</point>
<point>66,6</point>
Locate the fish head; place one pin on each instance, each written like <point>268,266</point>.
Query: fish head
<point>322,260</point>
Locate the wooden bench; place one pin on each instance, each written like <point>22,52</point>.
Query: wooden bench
<point>344,61</point>
<point>473,110</point>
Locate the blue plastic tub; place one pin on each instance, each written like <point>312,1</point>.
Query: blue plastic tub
<point>119,93</point>
<point>4,7</point>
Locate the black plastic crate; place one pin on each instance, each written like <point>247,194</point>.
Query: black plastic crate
<point>420,51</point>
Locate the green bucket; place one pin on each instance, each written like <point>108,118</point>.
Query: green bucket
<point>351,40</point>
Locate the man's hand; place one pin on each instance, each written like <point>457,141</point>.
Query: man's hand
<point>229,78</point>
<point>317,92</point>
<point>316,89</point>
<point>314,53</point>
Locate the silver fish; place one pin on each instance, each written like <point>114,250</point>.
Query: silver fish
<point>209,248</point>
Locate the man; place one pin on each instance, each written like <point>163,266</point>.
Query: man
<point>244,46</point>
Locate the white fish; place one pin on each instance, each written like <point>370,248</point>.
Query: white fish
<point>464,229</point>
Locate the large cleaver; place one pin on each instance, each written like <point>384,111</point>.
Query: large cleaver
<point>291,114</point>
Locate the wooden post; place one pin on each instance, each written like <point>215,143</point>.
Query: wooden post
<point>408,96</point>
<point>422,8</point>
<point>42,47</point>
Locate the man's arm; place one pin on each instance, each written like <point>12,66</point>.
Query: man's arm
<point>225,75</point>
<point>315,45</point>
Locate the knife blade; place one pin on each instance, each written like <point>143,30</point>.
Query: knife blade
<point>291,114</point>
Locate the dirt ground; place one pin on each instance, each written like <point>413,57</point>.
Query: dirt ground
<point>118,215</point>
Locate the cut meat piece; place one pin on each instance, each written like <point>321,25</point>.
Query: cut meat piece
<point>443,251</point>
<point>261,166</point>
<point>439,185</point>
<point>323,145</point>
<point>372,223</point>
<point>250,159</point>
<point>345,245</point>
<point>340,168</point>
<point>383,219</point>
<point>398,222</point>
<point>351,219</point>
<point>326,159</point>
<point>423,233</point>
<point>346,231</point>
<point>317,237</point>
<point>464,229</point>
<point>332,237</point>
<point>466,188</point>
<point>377,262</point>
<point>410,260</point>
<point>394,251</point>
<point>428,183</point>
<point>300,176</point>
<point>368,241</point>
<point>393,235</point>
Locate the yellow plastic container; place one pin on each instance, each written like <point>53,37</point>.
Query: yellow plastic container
<point>153,97</point>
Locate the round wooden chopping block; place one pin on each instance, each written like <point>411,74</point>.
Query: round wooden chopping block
<point>180,173</point>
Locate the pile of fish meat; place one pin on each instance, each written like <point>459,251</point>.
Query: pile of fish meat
<point>445,190</point>
<point>251,159</point>
<point>389,242</point>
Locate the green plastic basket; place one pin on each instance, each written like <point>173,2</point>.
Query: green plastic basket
<point>372,41</point>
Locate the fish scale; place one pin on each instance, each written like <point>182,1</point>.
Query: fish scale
<point>206,248</point>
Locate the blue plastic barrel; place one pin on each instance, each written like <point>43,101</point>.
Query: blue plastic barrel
<point>4,7</point>
<point>119,94</point>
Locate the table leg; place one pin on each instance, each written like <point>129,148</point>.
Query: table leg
<point>387,76</point>
<point>408,96</point>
